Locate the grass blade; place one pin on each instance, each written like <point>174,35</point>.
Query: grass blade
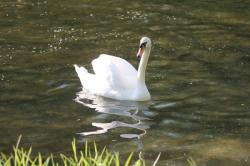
<point>157,159</point>
<point>191,162</point>
<point>129,159</point>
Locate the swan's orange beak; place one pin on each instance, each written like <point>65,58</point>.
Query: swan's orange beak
<point>140,52</point>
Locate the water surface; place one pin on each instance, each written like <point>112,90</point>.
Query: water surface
<point>198,75</point>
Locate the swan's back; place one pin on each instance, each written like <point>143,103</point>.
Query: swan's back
<point>117,71</point>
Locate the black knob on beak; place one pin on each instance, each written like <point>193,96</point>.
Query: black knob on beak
<point>139,56</point>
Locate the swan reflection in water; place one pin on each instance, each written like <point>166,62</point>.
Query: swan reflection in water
<point>136,111</point>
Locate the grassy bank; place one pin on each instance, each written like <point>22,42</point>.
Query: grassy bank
<point>85,157</point>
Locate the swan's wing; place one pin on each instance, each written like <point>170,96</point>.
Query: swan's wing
<point>116,71</point>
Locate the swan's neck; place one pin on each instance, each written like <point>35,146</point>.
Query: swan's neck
<point>143,65</point>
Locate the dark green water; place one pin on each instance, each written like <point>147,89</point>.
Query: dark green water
<point>198,75</point>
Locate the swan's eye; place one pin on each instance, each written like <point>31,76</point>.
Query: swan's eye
<point>143,45</point>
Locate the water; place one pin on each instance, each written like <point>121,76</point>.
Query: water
<point>198,75</point>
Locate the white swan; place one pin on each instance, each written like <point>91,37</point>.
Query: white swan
<point>116,78</point>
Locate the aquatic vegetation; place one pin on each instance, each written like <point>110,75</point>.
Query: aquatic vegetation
<point>89,156</point>
<point>191,162</point>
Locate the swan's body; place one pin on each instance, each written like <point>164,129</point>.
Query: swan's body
<point>116,78</point>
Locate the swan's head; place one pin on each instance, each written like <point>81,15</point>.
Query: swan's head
<point>145,46</point>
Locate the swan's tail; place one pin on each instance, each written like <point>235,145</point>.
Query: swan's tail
<point>80,69</point>
<point>89,81</point>
<point>82,74</point>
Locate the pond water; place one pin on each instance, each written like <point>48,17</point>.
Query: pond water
<point>198,75</point>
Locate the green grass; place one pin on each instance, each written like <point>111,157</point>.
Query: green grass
<point>90,156</point>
